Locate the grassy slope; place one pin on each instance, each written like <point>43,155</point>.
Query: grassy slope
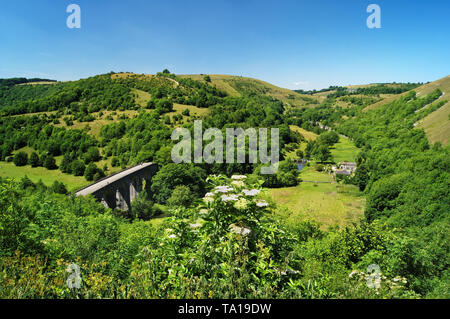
<point>307,134</point>
<point>47,176</point>
<point>436,124</point>
<point>344,150</point>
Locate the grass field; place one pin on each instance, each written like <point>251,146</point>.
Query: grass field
<point>47,176</point>
<point>344,150</point>
<point>142,97</point>
<point>193,110</point>
<point>329,204</point>
<point>310,174</point>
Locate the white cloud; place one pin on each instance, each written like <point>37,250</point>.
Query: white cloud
<point>301,83</point>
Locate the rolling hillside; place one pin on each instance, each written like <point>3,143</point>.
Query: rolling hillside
<point>436,124</point>
<point>238,85</point>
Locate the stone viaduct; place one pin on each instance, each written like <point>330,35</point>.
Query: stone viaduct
<point>119,190</point>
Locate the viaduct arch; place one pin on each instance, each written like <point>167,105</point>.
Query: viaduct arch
<point>119,190</point>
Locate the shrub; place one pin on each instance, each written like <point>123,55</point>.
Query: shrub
<point>58,187</point>
<point>34,159</point>
<point>78,168</point>
<point>115,162</point>
<point>49,162</point>
<point>181,196</point>
<point>91,171</point>
<point>21,159</point>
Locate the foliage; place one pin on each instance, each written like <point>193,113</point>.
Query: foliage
<point>20,159</point>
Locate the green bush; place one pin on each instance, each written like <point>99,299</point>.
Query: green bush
<point>181,196</point>
<point>21,159</point>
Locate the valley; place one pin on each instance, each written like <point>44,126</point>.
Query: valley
<point>319,222</point>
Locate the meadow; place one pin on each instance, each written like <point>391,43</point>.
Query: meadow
<point>9,170</point>
<point>327,203</point>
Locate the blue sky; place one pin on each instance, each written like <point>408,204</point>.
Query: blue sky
<point>293,44</point>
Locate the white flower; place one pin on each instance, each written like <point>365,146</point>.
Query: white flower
<point>239,230</point>
<point>352,273</point>
<point>226,198</point>
<point>208,199</point>
<point>238,177</point>
<point>252,192</point>
<point>196,225</point>
<point>238,183</point>
<point>209,194</point>
<point>262,203</point>
<point>173,236</point>
<point>241,203</point>
<point>222,189</point>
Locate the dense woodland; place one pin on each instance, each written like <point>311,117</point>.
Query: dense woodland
<point>221,239</point>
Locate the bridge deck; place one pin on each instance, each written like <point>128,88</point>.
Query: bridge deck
<point>110,179</point>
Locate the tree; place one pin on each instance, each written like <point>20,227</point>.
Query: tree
<point>164,105</point>
<point>323,153</point>
<point>90,171</point>
<point>207,78</point>
<point>115,162</point>
<point>49,162</point>
<point>172,175</point>
<point>310,145</point>
<point>25,183</point>
<point>20,159</point>
<point>287,174</point>
<point>92,155</point>
<point>66,164</point>
<point>58,187</point>
<point>78,168</point>
<point>34,159</point>
<point>142,207</point>
<point>361,177</point>
<point>329,138</point>
<point>299,154</point>
<point>181,196</point>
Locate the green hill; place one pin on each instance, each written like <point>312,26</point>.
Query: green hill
<point>307,234</point>
<point>436,124</point>
<point>238,86</point>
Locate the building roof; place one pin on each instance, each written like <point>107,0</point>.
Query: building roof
<point>348,163</point>
<point>340,172</point>
<point>110,179</point>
